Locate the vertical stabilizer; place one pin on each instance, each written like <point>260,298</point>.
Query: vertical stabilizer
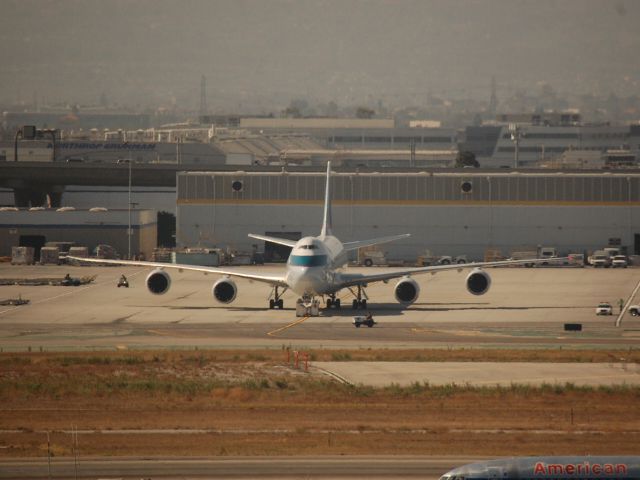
<point>326,221</point>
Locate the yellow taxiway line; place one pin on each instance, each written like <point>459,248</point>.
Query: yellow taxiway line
<point>297,322</point>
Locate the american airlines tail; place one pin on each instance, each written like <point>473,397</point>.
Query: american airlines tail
<point>326,221</point>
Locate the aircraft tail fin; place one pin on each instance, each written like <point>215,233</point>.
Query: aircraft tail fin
<point>326,221</point>
<point>373,241</point>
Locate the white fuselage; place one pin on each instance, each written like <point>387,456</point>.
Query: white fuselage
<point>314,265</point>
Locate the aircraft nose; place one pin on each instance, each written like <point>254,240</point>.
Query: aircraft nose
<point>304,280</point>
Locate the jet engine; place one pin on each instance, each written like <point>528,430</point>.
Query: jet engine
<point>224,290</point>
<point>158,282</point>
<point>407,291</point>
<point>478,282</point>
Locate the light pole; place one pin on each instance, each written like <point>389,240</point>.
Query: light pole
<point>129,229</point>
<point>516,134</point>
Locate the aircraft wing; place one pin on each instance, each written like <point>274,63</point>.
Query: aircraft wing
<point>278,280</point>
<point>373,241</point>
<point>280,241</point>
<point>351,279</point>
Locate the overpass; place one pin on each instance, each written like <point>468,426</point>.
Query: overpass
<point>33,182</point>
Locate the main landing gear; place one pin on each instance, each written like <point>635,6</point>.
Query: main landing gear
<point>276,301</point>
<point>332,301</point>
<point>360,302</point>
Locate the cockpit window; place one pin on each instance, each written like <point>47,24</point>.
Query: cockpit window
<point>308,260</point>
<point>309,247</point>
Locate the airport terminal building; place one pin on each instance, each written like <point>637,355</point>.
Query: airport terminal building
<point>448,212</point>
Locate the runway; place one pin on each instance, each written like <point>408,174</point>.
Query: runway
<point>240,468</point>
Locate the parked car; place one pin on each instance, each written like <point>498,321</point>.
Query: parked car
<point>619,261</point>
<point>634,310</point>
<point>604,308</point>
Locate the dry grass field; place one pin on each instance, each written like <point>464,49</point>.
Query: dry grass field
<point>253,403</point>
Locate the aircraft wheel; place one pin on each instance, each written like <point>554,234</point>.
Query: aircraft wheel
<point>272,304</point>
<point>337,303</point>
<point>363,304</point>
<point>329,303</point>
<point>280,304</point>
<point>354,304</point>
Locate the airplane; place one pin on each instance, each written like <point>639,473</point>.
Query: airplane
<point>559,468</point>
<point>315,269</point>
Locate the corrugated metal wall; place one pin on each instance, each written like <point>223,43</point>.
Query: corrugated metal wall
<point>504,211</point>
<point>207,187</point>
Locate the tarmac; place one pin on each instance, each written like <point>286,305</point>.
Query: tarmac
<point>525,308</point>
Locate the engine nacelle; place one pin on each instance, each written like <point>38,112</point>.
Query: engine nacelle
<point>478,282</point>
<point>224,290</point>
<point>158,282</point>
<point>407,291</point>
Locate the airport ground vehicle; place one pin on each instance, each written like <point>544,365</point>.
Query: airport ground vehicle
<point>604,308</point>
<point>427,258</point>
<point>448,260</point>
<point>368,321</point>
<point>548,255</point>
<point>600,258</point>
<point>576,259</point>
<point>373,257</point>
<point>619,261</point>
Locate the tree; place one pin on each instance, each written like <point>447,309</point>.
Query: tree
<point>364,112</point>
<point>466,159</point>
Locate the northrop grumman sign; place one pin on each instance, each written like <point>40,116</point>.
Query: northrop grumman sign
<point>103,146</point>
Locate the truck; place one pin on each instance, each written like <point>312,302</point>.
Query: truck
<point>551,254</point>
<point>372,257</point>
<point>600,258</point>
<point>548,253</point>
<point>427,259</point>
<point>619,261</point>
<point>448,260</point>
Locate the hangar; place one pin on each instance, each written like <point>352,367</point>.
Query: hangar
<point>90,228</point>
<point>449,212</point>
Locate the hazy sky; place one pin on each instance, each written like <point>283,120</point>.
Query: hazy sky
<point>260,53</point>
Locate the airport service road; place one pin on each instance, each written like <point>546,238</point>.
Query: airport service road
<point>239,468</point>
<point>525,307</point>
<point>381,374</point>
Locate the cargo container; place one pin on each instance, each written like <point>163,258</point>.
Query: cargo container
<point>22,255</point>
<point>49,256</point>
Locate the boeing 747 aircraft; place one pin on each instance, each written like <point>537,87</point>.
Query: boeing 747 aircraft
<point>557,468</point>
<point>315,271</point>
